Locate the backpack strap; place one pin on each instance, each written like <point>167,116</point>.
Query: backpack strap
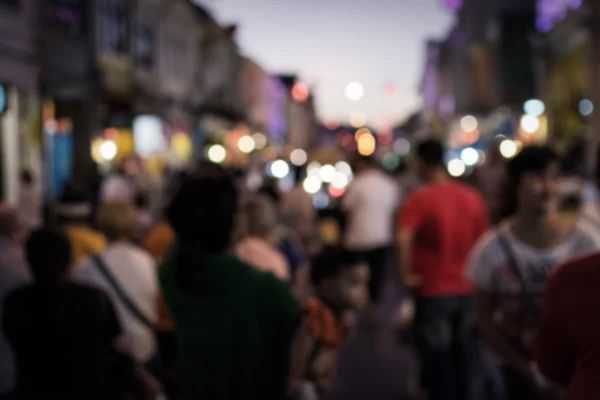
<point>125,299</point>
<point>513,264</point>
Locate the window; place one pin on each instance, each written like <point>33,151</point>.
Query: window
<point>67,16</point>
<point>143,43</point>
<point>113,25</point>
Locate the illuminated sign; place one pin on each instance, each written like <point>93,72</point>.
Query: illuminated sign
<point>3,99</point>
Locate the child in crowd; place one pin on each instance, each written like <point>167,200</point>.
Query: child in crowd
<point>340,282</point>
<point>257,228</point>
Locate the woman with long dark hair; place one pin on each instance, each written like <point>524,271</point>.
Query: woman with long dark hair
<point>234,323</point>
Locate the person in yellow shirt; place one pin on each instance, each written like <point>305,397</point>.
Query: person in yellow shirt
<point>73,212</point>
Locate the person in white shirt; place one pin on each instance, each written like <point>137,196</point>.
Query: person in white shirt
<point>133,270</point>
<point>370,203</point>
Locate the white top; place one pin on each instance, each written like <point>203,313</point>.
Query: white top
<point>489,267</point>
<point>117,187</point>
<point>371,202</point>
<point>590,215</point>
<point>136,273</point>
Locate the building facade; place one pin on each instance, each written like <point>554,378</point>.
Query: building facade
<point>19,100</point>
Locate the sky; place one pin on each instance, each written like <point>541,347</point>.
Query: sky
<point>330,43</point>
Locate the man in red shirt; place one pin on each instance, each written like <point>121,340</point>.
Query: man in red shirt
<point>438,227</point>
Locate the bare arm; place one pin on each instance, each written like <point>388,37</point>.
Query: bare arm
<point>405,243</point>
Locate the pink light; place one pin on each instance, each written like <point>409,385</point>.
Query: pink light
<point>453,5</point>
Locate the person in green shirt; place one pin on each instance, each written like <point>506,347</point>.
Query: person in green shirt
<point>234,324</point>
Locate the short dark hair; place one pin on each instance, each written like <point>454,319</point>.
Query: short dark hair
<point>530,159</point>
<point>49,255</point>
<point>431,152</point>
<point>330,262</point>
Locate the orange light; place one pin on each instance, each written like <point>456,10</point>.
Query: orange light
<point>332,125</point>
<point>336,192</point>
<point>111,133</point>
<point>300,92</point>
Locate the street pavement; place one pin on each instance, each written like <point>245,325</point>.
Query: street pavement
<point>373,365</point>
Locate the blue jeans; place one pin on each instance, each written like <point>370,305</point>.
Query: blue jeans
<point>447,345</point>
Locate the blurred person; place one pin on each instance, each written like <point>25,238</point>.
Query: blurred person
<point>13,273</point>
<point>590,210</point>
<point>235,344</point>
<point>567,350</point>
<point>144,217</point>
<point>407,180</point>
<point>298,211</point>
<point>119,185</point>
<point>73,211</point>
<point>490,180</point>
<point>30,201</point>
<point>128,274</point>
<point>340,279</point>
<point>289,242</point>
<point>512,263</point>
<point>438,227</point>
<point>371,202</point>
<point>161,237</point>
<point>61,332</point>
<point>258,242</point>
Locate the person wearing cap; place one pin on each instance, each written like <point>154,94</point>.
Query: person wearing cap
<point>73,211</point>
<point>13,273</point>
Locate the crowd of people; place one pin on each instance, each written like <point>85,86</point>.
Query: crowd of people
<point>226,293</point>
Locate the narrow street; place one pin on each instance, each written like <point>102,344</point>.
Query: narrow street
<point>373,365</point>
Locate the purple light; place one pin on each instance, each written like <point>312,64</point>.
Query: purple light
<point>543,24</point>
<point>575,4</point>
<point>453,5</point>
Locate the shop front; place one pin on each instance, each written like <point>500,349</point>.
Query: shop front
<point>20,144</point>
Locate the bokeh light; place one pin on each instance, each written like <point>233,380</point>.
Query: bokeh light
<point>327,173</point>
<point>530,124</point>
<point>534,107</point>
<point>456,168</point>
<point>246,144</point>
<point>217,153</point>
<point>340,181</point>
<point>358,119</point>
<point>354,91</point>
<point>280,169</point>
<point>260,141</point>
<point>313,169</point>
<point>508,148</point>
<point>298,157</point>
<point>300,92</point>
<point>321,201</point>
<point>360,132</point>
<point>468,123</point>
<point>108,150</point>
<point>366,145</point>
<point>312,184</point>
<point>402,146</point>
<point>469,156</point>
<point>391,161</point>
<point>344,168</point>
<point>586,107</point>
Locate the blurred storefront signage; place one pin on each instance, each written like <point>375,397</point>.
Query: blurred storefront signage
<point>3,99</point>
